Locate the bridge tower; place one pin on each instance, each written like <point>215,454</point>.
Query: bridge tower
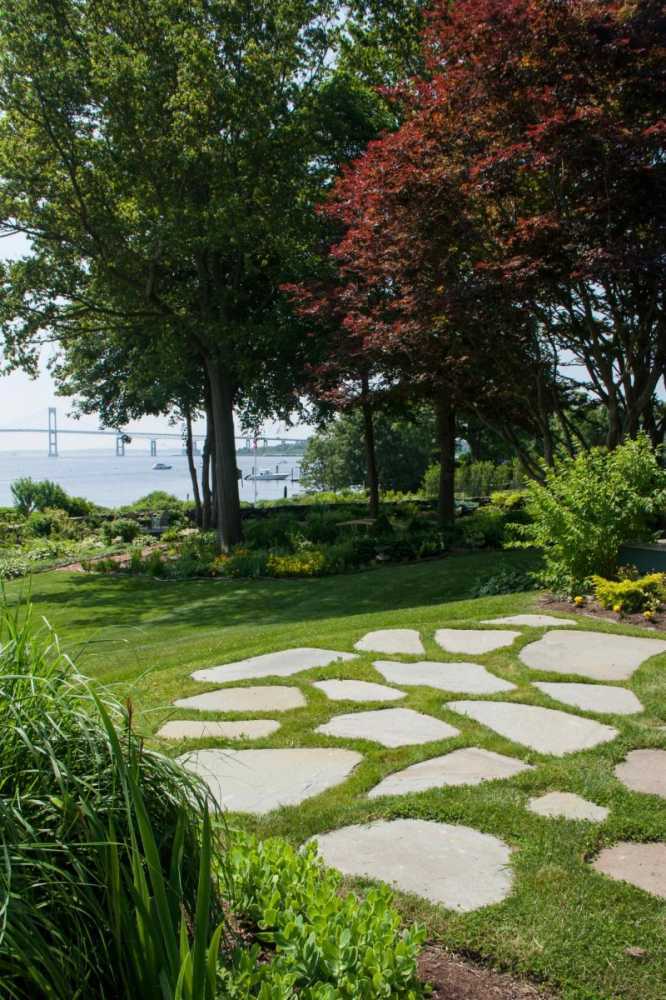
<point>53,432</point>
<point>120,446</point>
<point>153,448</point>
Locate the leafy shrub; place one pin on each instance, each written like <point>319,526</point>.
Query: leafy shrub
<point>484,528</point>
<point>122,528</point>
<point>477,479</point>
<point>273,532</point>
<point>30,495</point>
<point>508,500</point>
<point>241,563</point>
<point>53,522</point>
<point>587,507</point>
<point>158,500</point>
<point>507,581</point>
<point>326,946</point>
<point>643,594</point>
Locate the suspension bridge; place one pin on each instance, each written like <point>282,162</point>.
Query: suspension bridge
<point>124,437</point>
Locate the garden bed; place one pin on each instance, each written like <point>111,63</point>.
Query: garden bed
<point>592,609</point>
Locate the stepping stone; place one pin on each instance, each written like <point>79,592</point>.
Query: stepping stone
<point>392,727</point>
<point>543,729</point>
<point>534,621</point>
<point>469,766</point>
<point>453,865</point>
<point>358,691</point>
<point>567,806</point>
<point>474,641</point>
<point>391,640</point>
<point>193,729</point>
<point>256,781</point>
<point>598,698</point>
<point>644,771</point>
<point>271,698</point>
<point>282,664</point>
<point>643,865</point>
<point>599,655</point>
<point>470,678</point>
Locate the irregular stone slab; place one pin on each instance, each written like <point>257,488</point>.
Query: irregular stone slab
<point>194,729</point>
<point>256,781</point>
<point>272,698</point>
<point>358,691</point>
<point>543,729</point>
<point>474,641</point>
<point>391,640</point>
<point>644,771</point>
<point>599,655</point>
<point>534,621</point>
<point>469,766</point>
<point>392,727</point>
<point>568,806</point>
<point>470,678</point>
<point>598,698</point>
<point>643,865</point>
<point>453,865</point>
<point>282,664</point>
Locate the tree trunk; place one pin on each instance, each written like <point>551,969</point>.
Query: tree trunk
<point>446,438</point>
<point>370,452</point>
<point>208,511</point>
<point>229,529</point>
<point>192,467</point>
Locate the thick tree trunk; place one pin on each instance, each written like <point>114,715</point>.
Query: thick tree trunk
<point>229,529</point>
<point>192,467</point>
<point>208,511</point>
<point>370,453</point>
<point>446,438</point>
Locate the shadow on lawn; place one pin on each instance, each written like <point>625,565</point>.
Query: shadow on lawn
<point>83,601</point>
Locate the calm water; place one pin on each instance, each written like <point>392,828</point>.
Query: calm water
<point>110,481</point>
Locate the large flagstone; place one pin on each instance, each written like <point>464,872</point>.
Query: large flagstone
<point>643,865</point>
<point>391,640</point>
<point>533,621</point>
<point>566,805</point>
<point>281,664</point>
<point>358,691</point>
<point>474,641</point>
<point>267,698</point>
<point>456,866</point>
<point>601,656</point>
<point>392,727</point>
<point>196,729</point>
<point>468,678</point>
<point>468,766</point>
<point>545,730</point>
<point>644,771</point>
<point>256,781</point>
<point>599,698</point>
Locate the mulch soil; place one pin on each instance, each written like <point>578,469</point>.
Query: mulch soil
<point>455,978</point>
<point>593,610</point>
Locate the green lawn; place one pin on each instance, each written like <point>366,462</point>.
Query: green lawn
<point>563,922</point>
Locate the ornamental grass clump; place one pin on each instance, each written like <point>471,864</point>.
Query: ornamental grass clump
<point>106,884</point>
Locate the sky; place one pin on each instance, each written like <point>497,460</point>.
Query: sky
<point>24,402</point>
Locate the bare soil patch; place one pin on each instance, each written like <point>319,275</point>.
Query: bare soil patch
<point>455,978</point>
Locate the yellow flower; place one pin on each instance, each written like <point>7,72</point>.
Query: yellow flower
<point>579,601</point>
<point>649,615</point>
<point>617,608</point>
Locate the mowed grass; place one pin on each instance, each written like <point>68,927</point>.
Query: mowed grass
<point>563,923</point>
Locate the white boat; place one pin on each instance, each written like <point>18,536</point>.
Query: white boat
<point>267,476</point>
<point>162,465</point>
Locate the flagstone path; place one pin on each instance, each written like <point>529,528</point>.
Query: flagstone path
<point>454,865</point>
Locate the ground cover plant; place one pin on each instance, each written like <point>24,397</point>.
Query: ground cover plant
<point>562,923</point>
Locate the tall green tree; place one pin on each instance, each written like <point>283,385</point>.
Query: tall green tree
<point>163,159</point>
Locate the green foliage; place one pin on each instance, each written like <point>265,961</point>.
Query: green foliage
<point>30,495</point>
<point>587,507</point>
<point>506,581</point>
<point>122,528</point>
<point>158,500</point>
<point>335,457</point>
<point>645,593</point>
<point>327,946</point>
<point>107,886</point>
<point>476,479</point>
